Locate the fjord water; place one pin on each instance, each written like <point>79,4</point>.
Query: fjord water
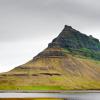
<point>50,96</point>
<point>86,96</point>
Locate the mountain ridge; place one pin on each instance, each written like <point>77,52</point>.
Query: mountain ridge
<point>69,32</point>
<point>74,40</point>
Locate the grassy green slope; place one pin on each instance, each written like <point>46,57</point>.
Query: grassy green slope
<point>64,71</point>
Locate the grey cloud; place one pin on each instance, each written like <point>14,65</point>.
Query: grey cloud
<point>29,18</point>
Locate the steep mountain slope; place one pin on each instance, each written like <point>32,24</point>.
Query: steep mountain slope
<point>77,42</point>
<point>71,61</point>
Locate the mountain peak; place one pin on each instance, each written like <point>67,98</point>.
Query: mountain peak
<point>74,40</point>
<point>67,27</point>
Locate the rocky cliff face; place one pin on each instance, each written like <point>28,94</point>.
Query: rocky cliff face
<point>73,39</point>
<point>77,43</point>
<point>74,42</point>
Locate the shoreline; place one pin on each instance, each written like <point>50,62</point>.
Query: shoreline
<point>49,91</point>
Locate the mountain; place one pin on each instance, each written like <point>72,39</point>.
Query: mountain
<point>70,62</point>
<point>76,42</point>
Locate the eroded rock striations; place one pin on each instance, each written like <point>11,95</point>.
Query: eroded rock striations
<point>77,43</point>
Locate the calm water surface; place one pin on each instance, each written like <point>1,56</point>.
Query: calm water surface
<point>65,96</point>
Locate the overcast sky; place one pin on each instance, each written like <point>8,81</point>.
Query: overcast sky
<point>27,26</point>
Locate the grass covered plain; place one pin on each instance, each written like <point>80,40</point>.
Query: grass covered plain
<point>31,88</point>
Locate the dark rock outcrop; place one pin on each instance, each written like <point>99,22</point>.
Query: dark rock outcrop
<point>77,43</point>
<point>73,39</point>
